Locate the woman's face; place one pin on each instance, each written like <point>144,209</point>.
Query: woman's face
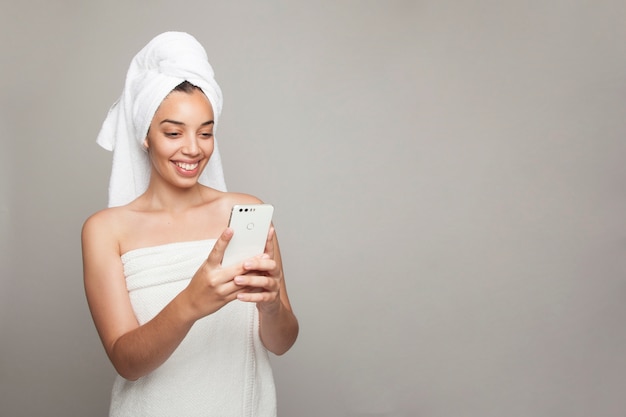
<point>180,138</point>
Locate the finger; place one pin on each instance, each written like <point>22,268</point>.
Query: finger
<point>256,297</point>
<point>217,253</point>
<point>261,263</point>
<point>258,282</point>
<point>269,244</point>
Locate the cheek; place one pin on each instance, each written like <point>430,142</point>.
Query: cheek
<point>153,159</point>
<point>208,147</point>
<point>157,154</point>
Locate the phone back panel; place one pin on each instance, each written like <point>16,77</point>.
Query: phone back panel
<point>251,224</point>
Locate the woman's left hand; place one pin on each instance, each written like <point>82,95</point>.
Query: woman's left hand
<point>263,278</point>
<point>264,283</point>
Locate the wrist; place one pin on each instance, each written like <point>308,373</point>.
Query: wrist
<point>184,309</point>
<point>272,308</point>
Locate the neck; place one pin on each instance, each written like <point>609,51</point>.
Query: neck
<point>165,197</point>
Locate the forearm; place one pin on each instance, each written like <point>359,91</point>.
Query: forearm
<point>142,350</point>
<point>278,328</point>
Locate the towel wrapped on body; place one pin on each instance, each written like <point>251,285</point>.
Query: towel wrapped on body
<point>220,369</point>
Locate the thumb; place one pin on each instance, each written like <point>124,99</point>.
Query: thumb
<point>217,253</point>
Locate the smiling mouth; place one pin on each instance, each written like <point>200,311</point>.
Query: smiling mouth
<point>186,166</point>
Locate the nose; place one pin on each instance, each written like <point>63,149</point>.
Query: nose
<point>191,146</point>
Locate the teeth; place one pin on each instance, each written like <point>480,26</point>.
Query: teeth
<point>187,167</point>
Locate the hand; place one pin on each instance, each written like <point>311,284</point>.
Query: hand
<point>212,286</point>
<point>261,281</point>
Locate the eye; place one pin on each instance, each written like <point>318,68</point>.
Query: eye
<point>172,135</point>
<point>206,135</point>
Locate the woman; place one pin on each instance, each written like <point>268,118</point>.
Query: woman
<point>186,335</point>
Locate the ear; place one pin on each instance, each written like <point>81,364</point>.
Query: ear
<point>145,143</point>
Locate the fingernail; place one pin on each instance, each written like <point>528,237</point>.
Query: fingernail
<point>239,280</point>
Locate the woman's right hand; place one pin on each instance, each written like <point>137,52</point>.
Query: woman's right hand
<point>212,286</point>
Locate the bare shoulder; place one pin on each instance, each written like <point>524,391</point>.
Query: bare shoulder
<point>230,199</point>
<point>102,219</point>
<point>104,225</point>
<point>224,201</point>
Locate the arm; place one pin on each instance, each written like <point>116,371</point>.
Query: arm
<point>136,350</point>
<point>278,326</point>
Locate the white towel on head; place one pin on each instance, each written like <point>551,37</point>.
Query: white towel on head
<point>166,61</point>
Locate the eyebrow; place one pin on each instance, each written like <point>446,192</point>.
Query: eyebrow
<point>208,122</point>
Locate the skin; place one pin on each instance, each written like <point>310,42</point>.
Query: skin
<point>177,208</point>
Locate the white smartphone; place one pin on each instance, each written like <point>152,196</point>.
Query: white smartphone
<point>251,224</point>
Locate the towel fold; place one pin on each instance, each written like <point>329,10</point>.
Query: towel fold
<point>166,61</point>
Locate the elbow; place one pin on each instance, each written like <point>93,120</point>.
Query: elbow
<point>129,376</point>
<point>122,365</point>
<point>278,350</point>
<point>284,345</point>
<point>125,371</point>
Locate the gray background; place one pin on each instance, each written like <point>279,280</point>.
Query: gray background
<point>449,184</point>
